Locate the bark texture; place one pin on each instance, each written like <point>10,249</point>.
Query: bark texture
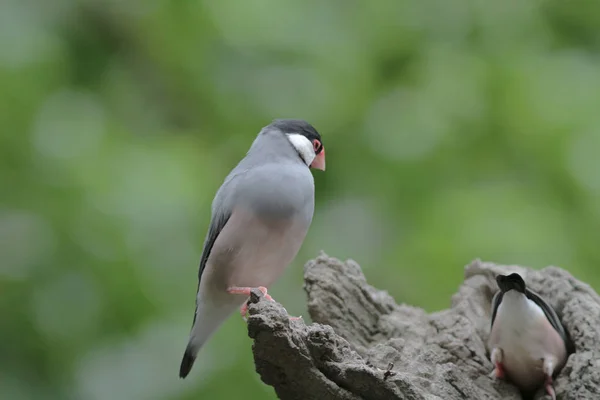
<point>362,345</point>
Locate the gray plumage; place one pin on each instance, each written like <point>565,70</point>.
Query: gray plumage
<point>260,217</point>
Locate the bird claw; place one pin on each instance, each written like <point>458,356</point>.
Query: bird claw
<point>496,358</point>
<point>548,367</point>
<point>244,311</point>
<point>549,387</point>
<point>497,372</point>
<point>246,291</point>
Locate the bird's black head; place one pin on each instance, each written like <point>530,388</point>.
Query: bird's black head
<point>305,139</point>
<point>511,282</point>
<point>300,127</point>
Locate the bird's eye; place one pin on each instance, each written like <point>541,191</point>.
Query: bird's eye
<point>317,146</point>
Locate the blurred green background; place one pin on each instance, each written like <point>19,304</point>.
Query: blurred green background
<point>454,130</point>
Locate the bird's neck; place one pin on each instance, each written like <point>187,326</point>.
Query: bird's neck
<point>272,145</point>
<point>517,304</point>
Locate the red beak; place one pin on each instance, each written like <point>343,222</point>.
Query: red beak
<point>319,161</point>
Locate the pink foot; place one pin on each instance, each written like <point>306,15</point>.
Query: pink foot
<point>246,291</point>
<point>549,387</point>
<point>499,370</point>
<point>496,358</point>
<point>244,310</point>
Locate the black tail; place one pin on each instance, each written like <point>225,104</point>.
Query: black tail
<point>187,363</point>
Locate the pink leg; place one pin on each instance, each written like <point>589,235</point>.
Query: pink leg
<point>550,388</point>
<point>548,366</point>
<point>496,358</point>
<point>499,371</point>
<point>246,292</point>
<point>244,310</point>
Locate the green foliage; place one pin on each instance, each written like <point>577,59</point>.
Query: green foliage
<point>454,130</point>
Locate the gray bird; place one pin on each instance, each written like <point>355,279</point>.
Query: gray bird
<point>260,217</point>
<point>527,340</point>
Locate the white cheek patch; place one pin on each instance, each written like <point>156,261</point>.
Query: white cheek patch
<point>303,146</point>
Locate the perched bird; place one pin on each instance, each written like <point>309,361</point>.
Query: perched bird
<point>527,340</point>
<point>260,217</point>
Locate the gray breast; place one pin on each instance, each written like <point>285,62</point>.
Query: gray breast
<point>276,192</point>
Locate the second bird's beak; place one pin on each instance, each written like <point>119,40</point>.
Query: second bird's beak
<point>319,161</point>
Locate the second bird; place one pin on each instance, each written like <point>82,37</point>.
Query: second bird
<point>260,217</point>
<point>527,340</point>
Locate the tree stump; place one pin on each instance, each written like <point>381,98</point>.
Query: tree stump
<point>362,345</point>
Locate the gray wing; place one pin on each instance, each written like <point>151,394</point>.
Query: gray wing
<point>549,311</point>
<point>495,304</point>
<point>217,224</point>
<point>221,212</point>
<point>219,219</point>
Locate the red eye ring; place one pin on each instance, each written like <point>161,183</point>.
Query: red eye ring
<point>317,146</point>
